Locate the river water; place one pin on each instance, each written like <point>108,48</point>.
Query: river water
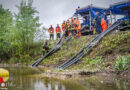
<point>25,78</point>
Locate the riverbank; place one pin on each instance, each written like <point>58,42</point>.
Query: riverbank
<point>79,74</point>
<point>75,74</point>
<point>14,65</point>
<point>44,72</point>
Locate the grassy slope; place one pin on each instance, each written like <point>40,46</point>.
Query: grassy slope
<point>66,51</point>
<point>105,53</point>
<point>102,56</point>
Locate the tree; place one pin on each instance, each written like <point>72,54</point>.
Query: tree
<point>26,24</point>
<point>6,23</point>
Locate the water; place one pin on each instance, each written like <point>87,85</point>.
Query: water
<point>25,79</point>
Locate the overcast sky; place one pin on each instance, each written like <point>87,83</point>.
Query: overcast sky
<point>55,11</point>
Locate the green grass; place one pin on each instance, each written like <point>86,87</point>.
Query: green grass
<point>122,63</point>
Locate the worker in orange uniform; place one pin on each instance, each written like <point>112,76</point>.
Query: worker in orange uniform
<point>68,24</point>
<point>78,26</point>
<point>73,28</point>
<point>72,19</point>
<point>103,25</point>
<point>51,32</point>
<point>64,27</point>
<point>58,31</point>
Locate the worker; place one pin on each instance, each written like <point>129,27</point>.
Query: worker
<point>63,26</point>
<point>78,26</point>
<point>103,25</point>
<point>51,32</point>
<point>45,48</point>
<point>73,28</point>
<point>68,24</point>
<point>58,31</point>
<point>72,19</point>
<point>98,24</point>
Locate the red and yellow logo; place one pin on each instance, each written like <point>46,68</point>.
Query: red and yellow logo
<point>4,76</point>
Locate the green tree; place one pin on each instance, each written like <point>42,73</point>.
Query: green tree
<point>6,24</point>
<point>26,24</point>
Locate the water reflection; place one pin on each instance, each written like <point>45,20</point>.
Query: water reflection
<point>20,79</point>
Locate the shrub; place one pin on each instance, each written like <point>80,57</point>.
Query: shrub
<point>25,58</point>
<point>122,63</point>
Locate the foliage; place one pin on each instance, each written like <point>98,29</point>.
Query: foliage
<point>116,42</point>
<point>6,25</point>
<point>17,33</point>
<point>122,63</point>
<point>113,41</point>
<point>26,24</point>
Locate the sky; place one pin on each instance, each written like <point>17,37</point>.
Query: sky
<point>53,12</point>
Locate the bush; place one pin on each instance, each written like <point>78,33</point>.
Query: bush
<point>13,60</point>
<point>25,58</point>
<point>122,63</point>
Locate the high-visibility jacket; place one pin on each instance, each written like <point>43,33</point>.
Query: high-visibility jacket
<point>73,26</point>
<point>78,24</point>
<point>58,29</point>
<point>103,25</point>
<point>63,26</point>
<point>71,20</point>
<point>43,49</point>
<point>51,30</point>
<point>68,24</point>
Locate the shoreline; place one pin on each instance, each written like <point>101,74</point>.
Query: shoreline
<point>14,65</point>
<point>76,74</point>
<point>71,74</point>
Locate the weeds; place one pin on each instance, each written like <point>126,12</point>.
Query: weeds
<point>122,63</point>
<point>93,62</point>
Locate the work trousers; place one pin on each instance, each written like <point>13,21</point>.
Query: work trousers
<point>74,32</point>
<point>98,28</point>
<point>51,36</point>
<point>58,35</point>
